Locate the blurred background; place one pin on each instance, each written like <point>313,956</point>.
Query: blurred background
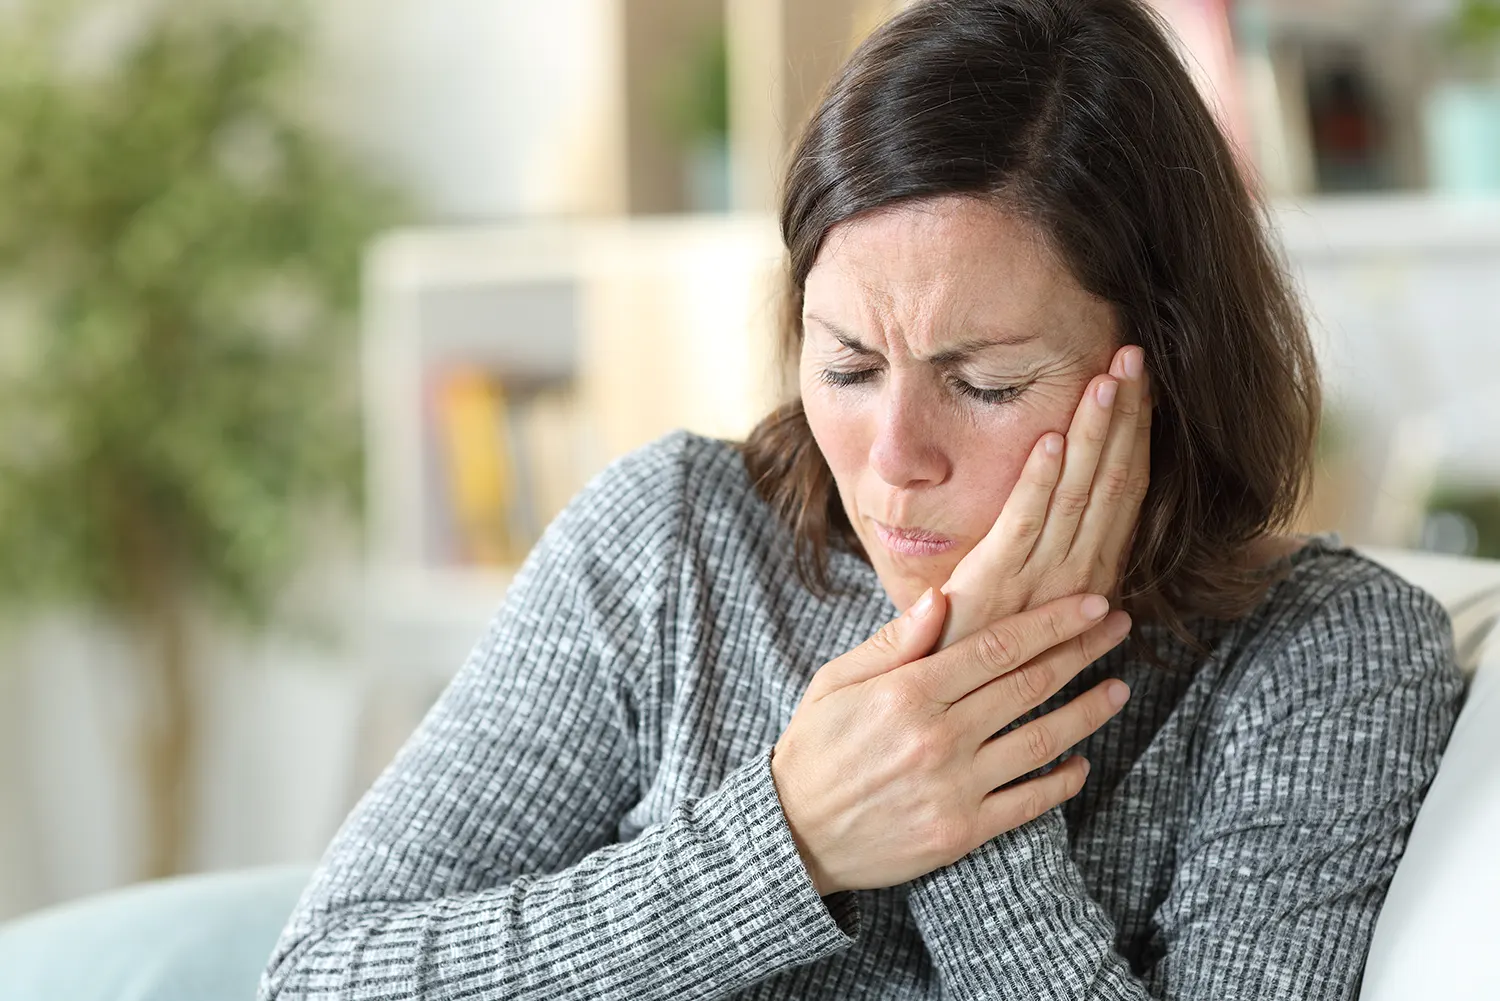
<point>311,317</point>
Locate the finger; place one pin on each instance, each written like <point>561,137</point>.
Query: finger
<point>1115,474</point>
<point>985,711</point>
<point>1086,437</point>
<point>908,637</point>
<point>1004,645</point>
<point>1009,808</point>
<point>1027,748</point>
<point>1117,540</point>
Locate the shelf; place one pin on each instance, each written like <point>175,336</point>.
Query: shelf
<point>641,326</point>
<point>1398,222</point>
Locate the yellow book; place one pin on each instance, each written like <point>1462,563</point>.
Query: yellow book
<point>471,420</point>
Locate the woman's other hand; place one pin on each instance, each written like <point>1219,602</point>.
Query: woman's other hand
<point>1067,526</point>
<point>888,769</point>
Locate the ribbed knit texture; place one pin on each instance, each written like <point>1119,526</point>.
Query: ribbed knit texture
<point>588,810</point>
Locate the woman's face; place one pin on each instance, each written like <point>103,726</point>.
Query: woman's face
<point>941,340</point>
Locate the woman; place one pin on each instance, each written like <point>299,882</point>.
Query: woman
<point>779,720</point>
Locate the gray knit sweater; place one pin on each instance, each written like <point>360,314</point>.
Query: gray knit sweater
<point>588,811</point>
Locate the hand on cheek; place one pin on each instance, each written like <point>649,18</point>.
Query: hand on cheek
<point>1067,526</point>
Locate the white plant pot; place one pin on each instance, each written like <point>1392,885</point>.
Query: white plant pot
<point>1462,122</point>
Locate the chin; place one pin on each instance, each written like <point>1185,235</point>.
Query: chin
<point>906,581</point>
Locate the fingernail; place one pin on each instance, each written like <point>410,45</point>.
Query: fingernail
<point>923,605</point>
<point>1053,443</point>
<point>1085,767</point>
<point>1134,362</point>
<point>1118,694</point>
<point>1095,606</point>
<point>1106,394</point>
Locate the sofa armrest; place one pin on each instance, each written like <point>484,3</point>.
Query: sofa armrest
<point>1440,921</point>
<point>191,938</point>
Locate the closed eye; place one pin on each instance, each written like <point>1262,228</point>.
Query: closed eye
<point>992,397</point>
<point>833,377</point>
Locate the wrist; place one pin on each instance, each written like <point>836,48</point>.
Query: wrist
<point>822,883</point>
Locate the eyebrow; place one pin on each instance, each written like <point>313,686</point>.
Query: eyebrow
<point>957,353</point>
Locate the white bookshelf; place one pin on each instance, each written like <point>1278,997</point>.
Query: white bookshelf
<point>654,324</point>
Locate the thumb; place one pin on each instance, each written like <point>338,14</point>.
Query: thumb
<point>908,637</point>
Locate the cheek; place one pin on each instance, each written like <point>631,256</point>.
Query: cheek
<point>842,433</point>
<point>994,455</point>
<point>988,469</point>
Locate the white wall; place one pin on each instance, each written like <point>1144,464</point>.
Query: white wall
<point>486,108</point>
<point>279,738</point>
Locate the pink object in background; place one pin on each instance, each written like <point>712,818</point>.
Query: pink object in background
<point>1203,28</point>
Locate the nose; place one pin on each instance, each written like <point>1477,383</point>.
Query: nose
<point>907,450</point>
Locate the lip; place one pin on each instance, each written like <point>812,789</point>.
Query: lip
<point>912,541</point>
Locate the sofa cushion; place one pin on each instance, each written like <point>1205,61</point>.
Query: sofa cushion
<point>193,938</point>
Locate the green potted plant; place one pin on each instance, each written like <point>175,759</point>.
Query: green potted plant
<point>179,253</point>
<point>1462,111</point>
<point>694,103</point>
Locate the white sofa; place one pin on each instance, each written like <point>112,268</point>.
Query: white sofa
<point>1439,931</point>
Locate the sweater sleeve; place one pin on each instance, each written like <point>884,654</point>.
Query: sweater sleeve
<point>484,863</point>
<point>1307,789</point>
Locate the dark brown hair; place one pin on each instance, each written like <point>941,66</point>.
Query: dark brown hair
<point>1078,116</point>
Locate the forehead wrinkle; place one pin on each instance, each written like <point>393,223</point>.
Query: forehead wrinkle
<point>908,311</point>
<point>930,306</point>
<point>900,288</point>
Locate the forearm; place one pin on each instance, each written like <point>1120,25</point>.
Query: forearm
<point>701,906</point>
<point>1012,919</point>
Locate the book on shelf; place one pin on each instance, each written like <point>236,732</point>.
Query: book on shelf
<point>503,462</point>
